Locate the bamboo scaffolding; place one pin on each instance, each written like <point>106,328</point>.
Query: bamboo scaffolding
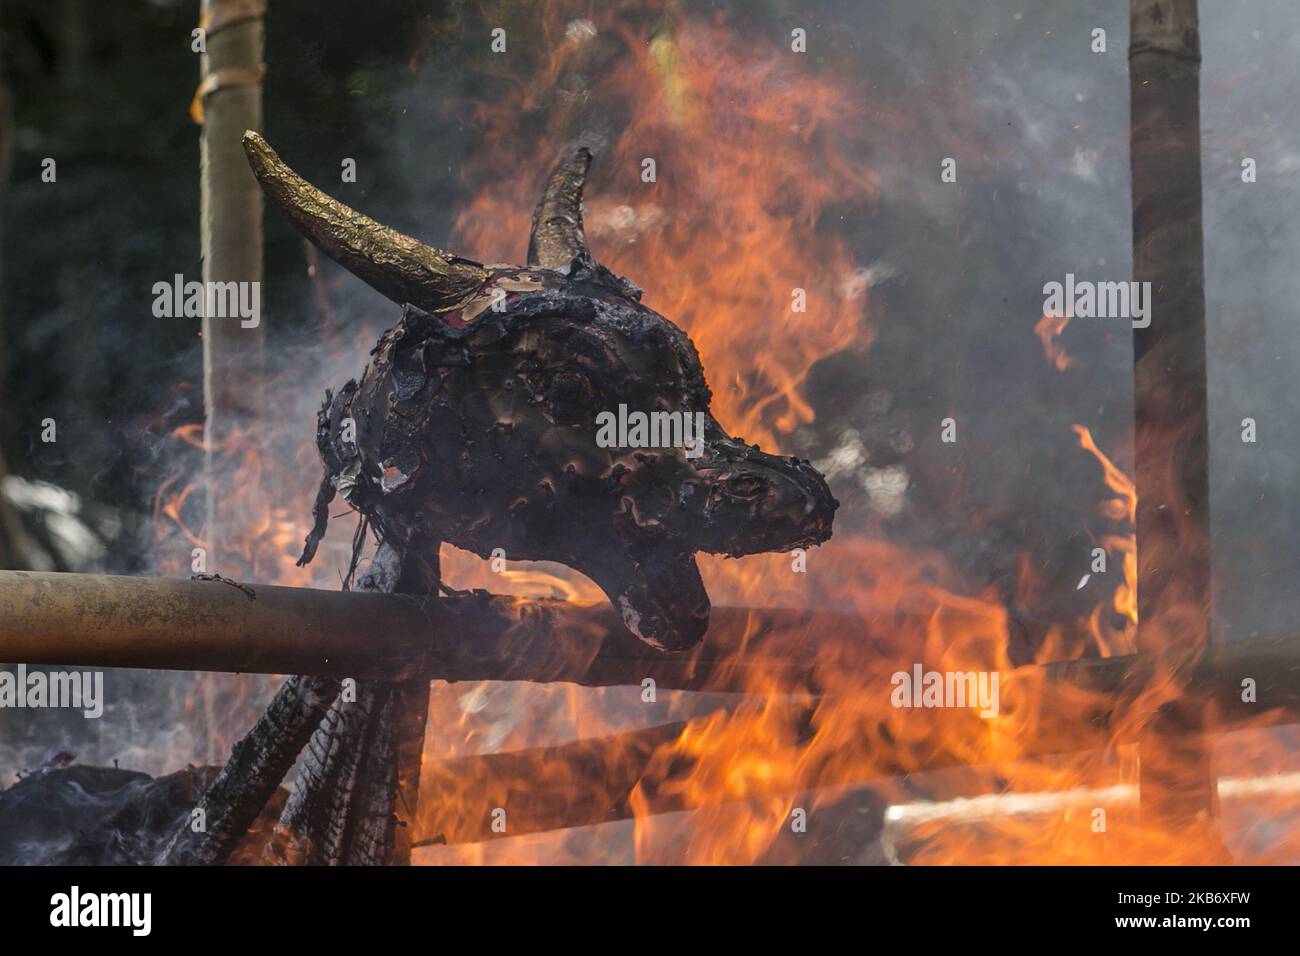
<point>108,621</point>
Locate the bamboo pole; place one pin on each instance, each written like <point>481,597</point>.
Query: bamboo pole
<point>175,624</point>
<point>909,827</point>
<point>419,575</point>
<point>93,620</point>
<point>228,102</point>
<point>1171,435</point>
<point>15,546</point>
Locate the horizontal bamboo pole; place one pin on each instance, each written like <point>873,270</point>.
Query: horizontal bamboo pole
<point>175,624</point>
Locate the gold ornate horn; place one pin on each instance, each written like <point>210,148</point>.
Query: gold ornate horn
<point>395,265</point>
<point>557,236</point>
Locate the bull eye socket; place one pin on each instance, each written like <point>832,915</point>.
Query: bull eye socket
<point>745,486</point>
<point>572,397</point>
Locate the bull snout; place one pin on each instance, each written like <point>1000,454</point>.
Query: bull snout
<point>752,501</point>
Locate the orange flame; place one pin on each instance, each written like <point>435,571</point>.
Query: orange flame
<point>749,147</point>
<point>1049,327</point>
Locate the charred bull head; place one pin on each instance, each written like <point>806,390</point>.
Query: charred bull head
<point>486,417</point>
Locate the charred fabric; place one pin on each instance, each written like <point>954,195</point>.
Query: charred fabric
<point>474,424</point>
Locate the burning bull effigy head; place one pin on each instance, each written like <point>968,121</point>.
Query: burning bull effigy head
<point>541,412</point>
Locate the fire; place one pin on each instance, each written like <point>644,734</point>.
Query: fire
<point>1122,508</point>
<point>727,237</point>
<point>729,230</point>
<point>1048,329</point>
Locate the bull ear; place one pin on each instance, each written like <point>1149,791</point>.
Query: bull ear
<point>395,265</point>
<point>556,238</point>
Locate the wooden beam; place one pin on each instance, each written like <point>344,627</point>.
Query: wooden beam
<point>1171,434</point>
<point>550,788</point>
<point>910,827</point>
<point>173,624</point>
<point>412,714</point>
<point>228,102</point>
<point>95,620</point>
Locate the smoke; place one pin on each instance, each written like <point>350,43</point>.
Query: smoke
<point>1037,124</point>
<point>1250,109</point>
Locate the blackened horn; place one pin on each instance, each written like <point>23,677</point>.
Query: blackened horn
<point>557,238</point>
<point>395,265</point>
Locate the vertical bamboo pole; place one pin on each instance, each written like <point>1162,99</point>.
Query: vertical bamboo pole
<point>412,716</point>
<point>14,547</point>
<point>1178,787</point>
<point>421,574</point>
<point>229,102</point>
